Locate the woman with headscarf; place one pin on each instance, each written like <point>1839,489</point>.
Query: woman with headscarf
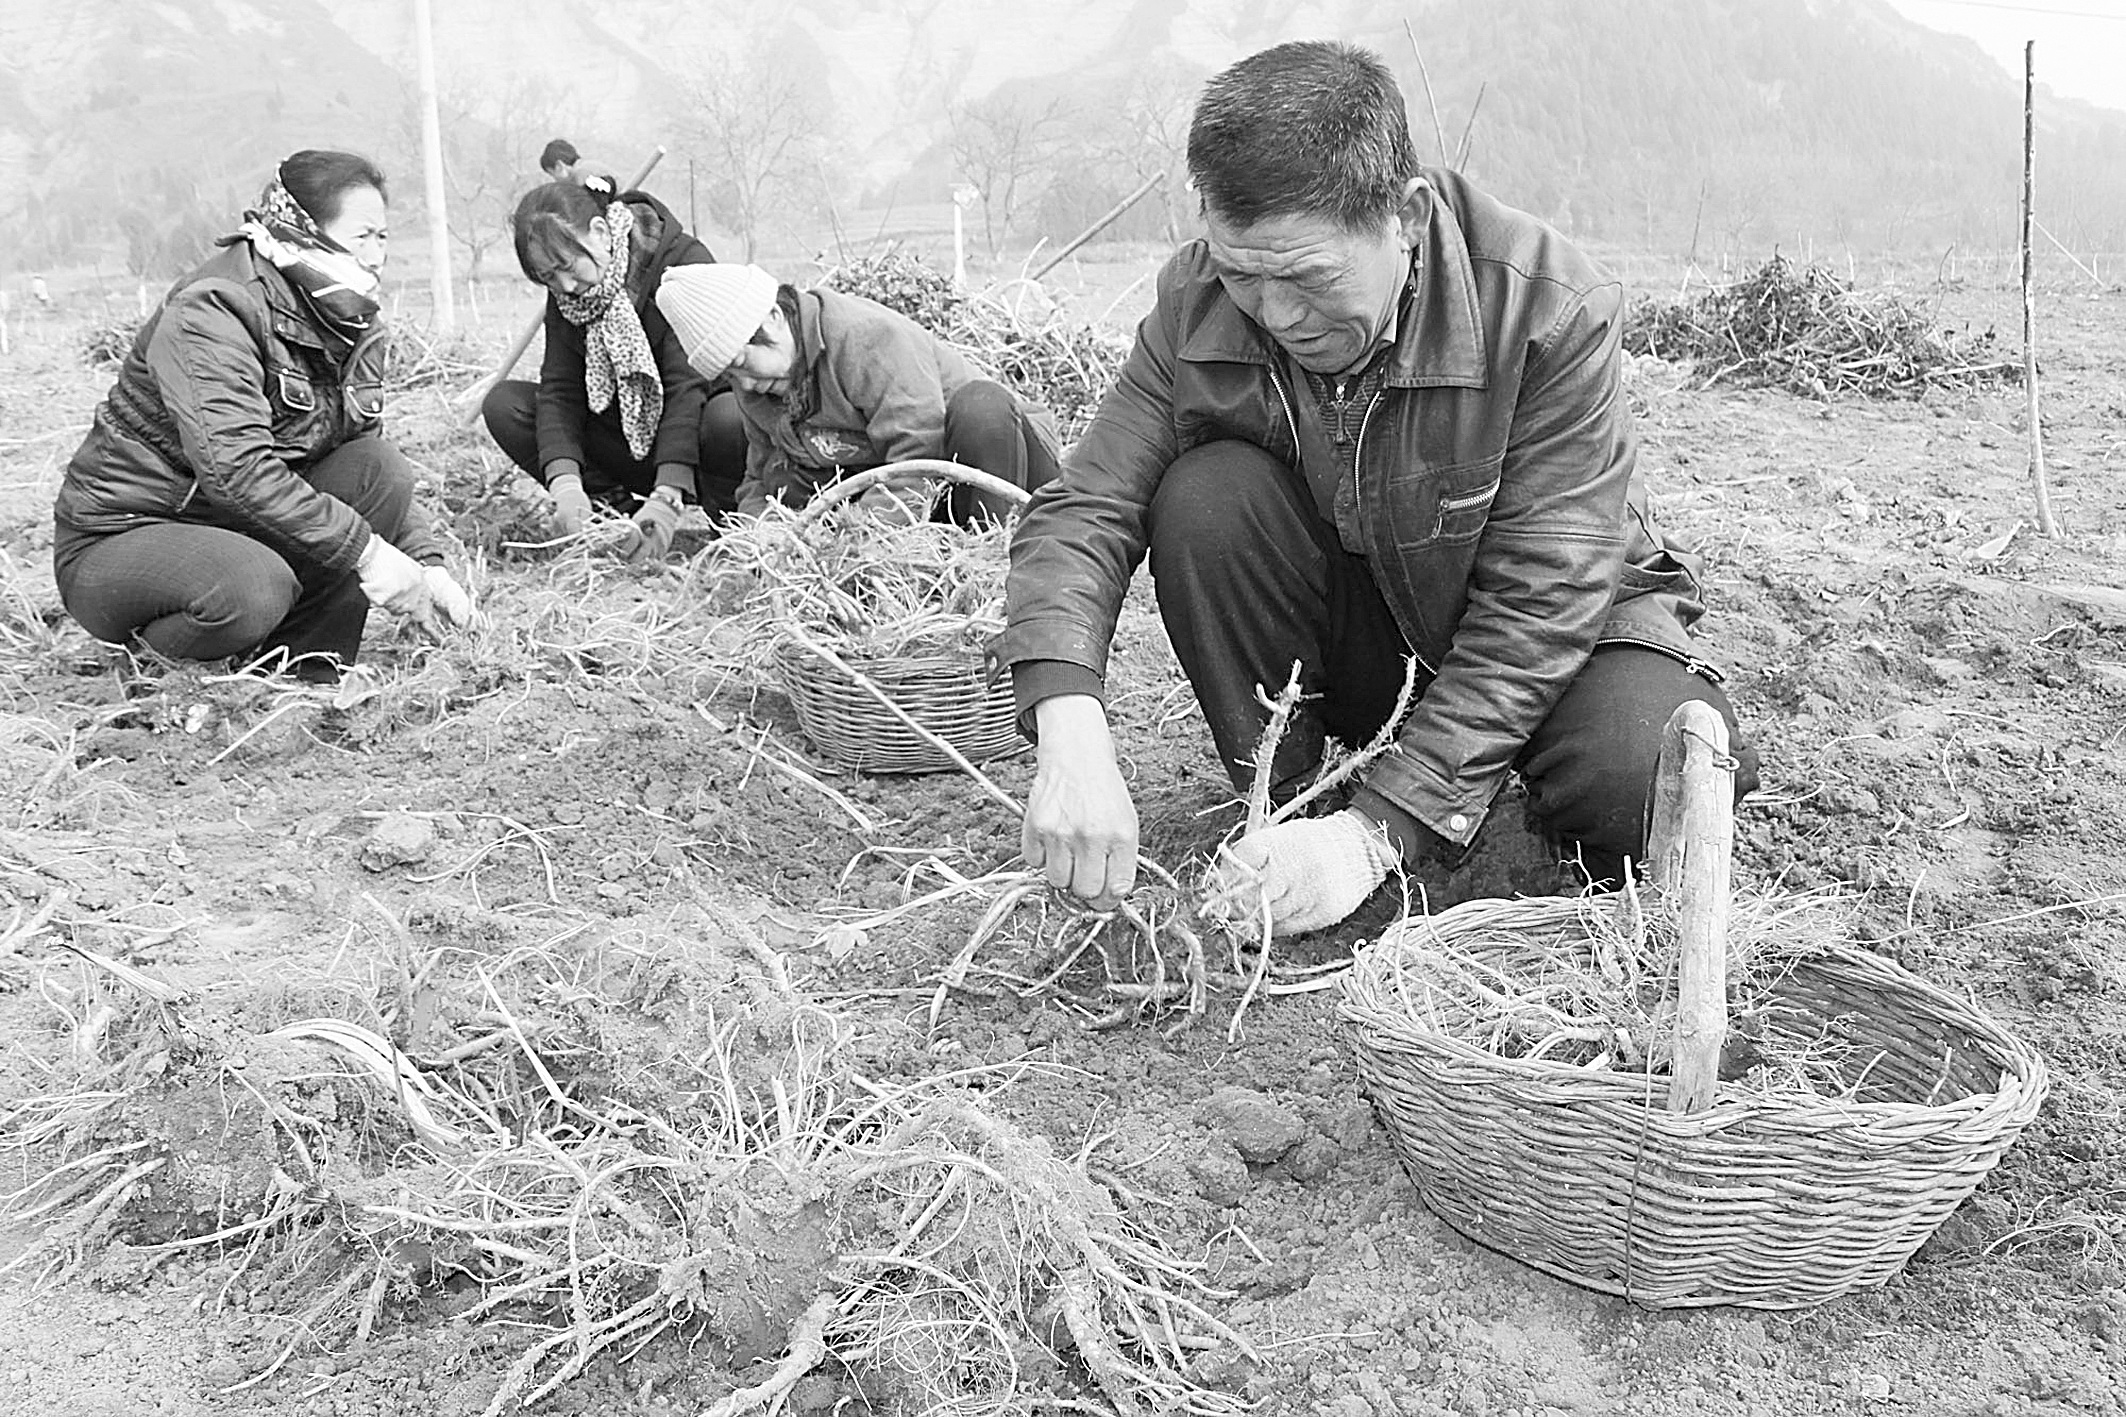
<point>618,413</point>
<point>235,494</point>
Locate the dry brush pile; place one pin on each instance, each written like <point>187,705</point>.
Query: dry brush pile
<point>612,1141</point>
<point>1024,338</point>
<point>1805,330</point>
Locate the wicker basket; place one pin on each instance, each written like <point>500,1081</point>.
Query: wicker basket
<point>1585,1175</point>
<point>954,698</point>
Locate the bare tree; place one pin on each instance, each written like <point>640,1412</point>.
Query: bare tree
<point>762,131</point>
<point>1007,148</point>
<point>491,139</point>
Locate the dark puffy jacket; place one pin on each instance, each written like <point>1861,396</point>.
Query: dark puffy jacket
<point>564,404</point>
<point>1496,501</point>
<point>229,392</point>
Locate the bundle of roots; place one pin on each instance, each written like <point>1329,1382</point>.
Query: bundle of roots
<point>1598,989</point>
<point>864,586</point>
<point>613,1143</point>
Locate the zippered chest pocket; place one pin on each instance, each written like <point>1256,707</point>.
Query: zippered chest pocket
<point>1441,506</point>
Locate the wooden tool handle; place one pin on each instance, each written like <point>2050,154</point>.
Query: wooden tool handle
<point>478,392</point>
<point>1690,846</point>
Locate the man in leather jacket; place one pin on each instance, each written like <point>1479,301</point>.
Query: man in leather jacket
<point>1373,417</point>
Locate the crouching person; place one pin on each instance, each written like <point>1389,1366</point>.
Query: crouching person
<point>235,494</point>
<point>617,414</point>
<point>1374,418</point>
<point>831,384</point>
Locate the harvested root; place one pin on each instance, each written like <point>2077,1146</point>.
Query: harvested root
<point>1600,991</point>
<point>680,1152</point>
<point>1242,922</point>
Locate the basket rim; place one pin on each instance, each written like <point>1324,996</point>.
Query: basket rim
<point>2025,1078</point>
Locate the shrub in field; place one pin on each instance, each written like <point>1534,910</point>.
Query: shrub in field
<point>108,341</point>
<point>1803,329</point>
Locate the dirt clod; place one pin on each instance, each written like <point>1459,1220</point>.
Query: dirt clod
<point>1259,1127</point>
<point>399,839</point>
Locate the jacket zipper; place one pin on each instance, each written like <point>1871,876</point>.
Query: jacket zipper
<point>1358,453</point>
<point>1277,383</point>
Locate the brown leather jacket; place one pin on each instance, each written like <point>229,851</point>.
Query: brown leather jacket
<point>1496,500</point>
<point>227,394</point>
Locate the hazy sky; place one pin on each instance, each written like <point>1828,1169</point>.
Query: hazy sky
<point>2081,44</point>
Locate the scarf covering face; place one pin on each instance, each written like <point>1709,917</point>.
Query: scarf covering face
<point>616,354</point>
<point>339,290</point>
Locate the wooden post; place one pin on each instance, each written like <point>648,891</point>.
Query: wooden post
<point>1113,213</point>
<point>1690,846</point>
<point>473,395</point>
<point>442,316</point>
<point>2045,524</point>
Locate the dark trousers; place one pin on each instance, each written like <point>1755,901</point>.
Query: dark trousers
<point>986,428</point>
<point>610,468</point>
<point>1250,579</point>
<point>190,591</point>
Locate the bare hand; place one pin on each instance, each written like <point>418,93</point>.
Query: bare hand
<point>1081,827</point>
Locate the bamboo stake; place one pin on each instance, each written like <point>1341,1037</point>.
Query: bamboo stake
<point>2085,270</point>
<point>1689,850</point>
<point>478,391</point>
<point>2045,524</point>
<point>1113,215</point>
<point>1425,75</point>
<point>1461,151</point>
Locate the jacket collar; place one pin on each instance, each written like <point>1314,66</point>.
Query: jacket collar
<point>1440,337</point>
<point>292,320</point>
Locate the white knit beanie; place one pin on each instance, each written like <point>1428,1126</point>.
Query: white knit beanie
<point>715,309</point>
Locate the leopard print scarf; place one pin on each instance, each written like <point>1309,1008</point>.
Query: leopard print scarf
<point>617,359</point>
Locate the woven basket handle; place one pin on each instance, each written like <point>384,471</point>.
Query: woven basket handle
<point>913,470</point>
<point>1690,846</point>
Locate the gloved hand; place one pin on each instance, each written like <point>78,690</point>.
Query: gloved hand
<point>394,581</point>
<point>451,602</point>
<point>572,505</point>
<point>1312,871</point>
<point>655,521</point>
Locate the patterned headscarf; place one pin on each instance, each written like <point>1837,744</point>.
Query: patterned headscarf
<point>340,290</point>
<point>616,354</point>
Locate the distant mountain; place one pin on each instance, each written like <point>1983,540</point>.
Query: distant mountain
<point>128,128</point>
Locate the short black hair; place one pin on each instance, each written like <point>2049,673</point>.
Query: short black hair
<point>558,153</point>
<point>1310,128</point>
<point>320,178</point>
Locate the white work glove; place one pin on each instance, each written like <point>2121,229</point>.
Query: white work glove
<point>393,580</point>
<point>1312,871</point>
<point>449,598</point>
<point>572,505</point>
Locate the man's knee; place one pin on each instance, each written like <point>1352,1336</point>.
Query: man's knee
<point>1217,499</point>
<point>1591,769</point>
